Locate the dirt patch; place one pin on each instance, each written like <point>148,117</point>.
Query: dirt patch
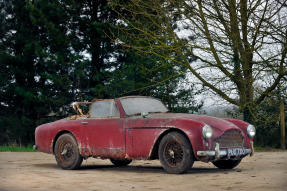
<point>38,171</point>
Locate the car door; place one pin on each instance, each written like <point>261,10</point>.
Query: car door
<point>104,130</point>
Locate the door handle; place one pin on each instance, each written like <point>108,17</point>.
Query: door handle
<point>84,122</point>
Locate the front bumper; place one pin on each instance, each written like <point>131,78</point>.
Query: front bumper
<point>224,153</point>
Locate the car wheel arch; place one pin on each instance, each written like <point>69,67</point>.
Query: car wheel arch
<point>154,152</point>
<point>62,132</point>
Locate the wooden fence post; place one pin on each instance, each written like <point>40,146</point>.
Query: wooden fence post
<point>282,125</point>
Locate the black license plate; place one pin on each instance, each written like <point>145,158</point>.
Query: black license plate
<point>235,152</point>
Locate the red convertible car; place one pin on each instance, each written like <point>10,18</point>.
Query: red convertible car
<point>138,127</point>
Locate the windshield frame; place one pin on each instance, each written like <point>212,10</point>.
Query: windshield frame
<point>148,97</point>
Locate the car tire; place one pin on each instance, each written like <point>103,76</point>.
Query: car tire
<point>67,153</point>
<point>226,164</point>
<point>123,162</point>
<point>175,153</point>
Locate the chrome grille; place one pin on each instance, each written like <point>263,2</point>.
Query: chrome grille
<point>231,138</point>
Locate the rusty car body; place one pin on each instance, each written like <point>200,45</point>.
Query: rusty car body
<point>138,127</point>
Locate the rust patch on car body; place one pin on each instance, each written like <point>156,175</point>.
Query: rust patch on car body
<point>133,137</point>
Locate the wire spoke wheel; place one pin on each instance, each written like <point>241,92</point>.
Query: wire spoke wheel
<point>67,153</point>
<point>175,153</point>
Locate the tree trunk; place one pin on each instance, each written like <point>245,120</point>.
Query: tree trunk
<point>282,125</point>
<point>247,116</point>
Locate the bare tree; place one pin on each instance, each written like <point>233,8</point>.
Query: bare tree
<point>238,44</point>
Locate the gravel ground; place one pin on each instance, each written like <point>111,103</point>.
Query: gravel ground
<point>20,171</point>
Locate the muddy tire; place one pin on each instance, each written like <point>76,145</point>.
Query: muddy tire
<point>226,164</point>
<point>175,153</point>
<point>123,162</point>
<point>67,153</point>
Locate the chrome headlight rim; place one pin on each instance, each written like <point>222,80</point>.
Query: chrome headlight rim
<point>251,131</point>
<point>207,132</point>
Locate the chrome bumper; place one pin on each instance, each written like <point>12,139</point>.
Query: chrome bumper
<point>217,153</point>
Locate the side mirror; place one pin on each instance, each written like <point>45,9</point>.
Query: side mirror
<point>144,114</point>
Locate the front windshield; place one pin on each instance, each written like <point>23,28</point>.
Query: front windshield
<point>137,105</point>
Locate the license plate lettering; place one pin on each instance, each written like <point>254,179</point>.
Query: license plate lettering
<point>235,152</point>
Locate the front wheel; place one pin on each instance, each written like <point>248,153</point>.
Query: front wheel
<point>123,162</point>
<point>226,164</point>
<point>175,153</point>
<point>67,153</point>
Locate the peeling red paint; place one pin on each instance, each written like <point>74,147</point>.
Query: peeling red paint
<point>132,137</point>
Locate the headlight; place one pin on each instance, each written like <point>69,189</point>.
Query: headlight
<point>251,131</point>
<point>207,132</point>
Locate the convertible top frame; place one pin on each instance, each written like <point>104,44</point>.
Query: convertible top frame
<point>79,111</point>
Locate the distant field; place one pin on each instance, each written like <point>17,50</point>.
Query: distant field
<point>267,149</point>
<point>17,149</point>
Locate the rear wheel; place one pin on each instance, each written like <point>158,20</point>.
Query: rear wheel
<point>67,153</point>
<point>175,153</point>
<point>123,162</point>
<point>226,164</point>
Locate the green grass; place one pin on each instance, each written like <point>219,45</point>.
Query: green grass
<point>29,148</point>
<point>267,149</point>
